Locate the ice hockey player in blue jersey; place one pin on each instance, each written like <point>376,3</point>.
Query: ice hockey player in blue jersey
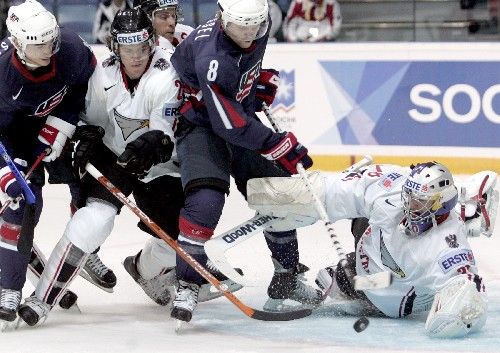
<point>44,72</point>
<point>219,135</point>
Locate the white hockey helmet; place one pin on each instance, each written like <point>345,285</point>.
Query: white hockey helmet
<point>31,23</point>
<point>243,12</point>
<point>428,194</point>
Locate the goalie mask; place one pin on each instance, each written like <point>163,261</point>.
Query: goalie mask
<point>30,23</point>
<point>244,20</point>
<point>428,195</point>
<point>131,27</point>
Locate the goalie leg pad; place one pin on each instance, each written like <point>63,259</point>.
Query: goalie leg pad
<point>287,198</point>
<point>457,310</point>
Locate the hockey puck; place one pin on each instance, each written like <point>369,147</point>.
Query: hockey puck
<point>361,324</point>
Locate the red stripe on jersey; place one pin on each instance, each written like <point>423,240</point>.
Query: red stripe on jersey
<point>10,232</point>
<point>194,231</point>
<point>236,119</point>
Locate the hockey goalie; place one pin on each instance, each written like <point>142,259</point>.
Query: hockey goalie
<point>414,222</point>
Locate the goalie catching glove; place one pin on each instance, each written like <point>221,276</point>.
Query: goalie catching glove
<point>479,203</point>
<point>151,148</point>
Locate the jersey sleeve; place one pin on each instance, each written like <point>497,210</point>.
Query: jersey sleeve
<point>95,100</point>
<point>355,194</point>
<point>165,101</point>
<point>81,71</point>
<point>218,82</point>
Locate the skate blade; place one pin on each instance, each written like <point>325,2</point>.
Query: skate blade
<point>74,308</point>
<point>178,326</point>
<point>209,292</point>
<point>86,276</point>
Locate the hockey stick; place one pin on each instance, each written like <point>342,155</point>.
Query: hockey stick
<point>216,247</point>
<point>28,174</point>
<point>28,194</point>
<point>360,282</point>
<point>248,311</point>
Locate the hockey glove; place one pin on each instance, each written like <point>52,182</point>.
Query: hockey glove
<point>267,86</point>
<point>288,153</point>
<point>8,183</point>
<point>54,135</point>
<point>150,148</point>
<point>86,140</point>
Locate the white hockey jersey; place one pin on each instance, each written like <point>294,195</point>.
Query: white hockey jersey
<point>181,32</point>
<point>154,105</point>
<point>420,265</point>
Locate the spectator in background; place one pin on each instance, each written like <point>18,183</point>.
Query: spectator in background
<point>104,17</point>
<point>276,19</point>
<point>312,21</point>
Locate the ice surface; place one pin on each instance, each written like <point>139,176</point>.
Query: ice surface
<point>127,321</point>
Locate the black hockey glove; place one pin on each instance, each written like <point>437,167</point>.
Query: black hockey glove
<point>85,141</point>
<point>150,148</point>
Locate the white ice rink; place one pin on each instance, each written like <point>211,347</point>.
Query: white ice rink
<point>128,321</point>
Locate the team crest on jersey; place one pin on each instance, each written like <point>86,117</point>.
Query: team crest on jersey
<point>388,260</point>
<point>161,64</point>
<point>451,240</point>
<point>47,106</point>
<point>247,80</point>
<point>14,18</point>
<point>129,126</point>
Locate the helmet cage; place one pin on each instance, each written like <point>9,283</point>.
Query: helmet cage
<point>428,192</point>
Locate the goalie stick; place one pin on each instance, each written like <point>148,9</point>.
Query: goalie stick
<point>248,311</point>
<point>383,279</point>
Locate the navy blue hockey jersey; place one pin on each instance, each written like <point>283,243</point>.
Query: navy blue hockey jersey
<point>28,97</point>
<point>210,62</point>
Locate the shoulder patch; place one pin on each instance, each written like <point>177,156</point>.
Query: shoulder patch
<point>456,258</point>
<point>161,64</point>
<point>387,181</point>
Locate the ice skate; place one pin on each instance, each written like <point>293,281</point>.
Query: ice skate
<point>34,311</point>
<point>209,292</point>
<point>9,304</point>
<point>186,299</point>
<point>160,288</point>
<point>97,273</point>
<point>289,284</point>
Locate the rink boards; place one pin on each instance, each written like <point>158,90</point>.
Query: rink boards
<point>344,100</point>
